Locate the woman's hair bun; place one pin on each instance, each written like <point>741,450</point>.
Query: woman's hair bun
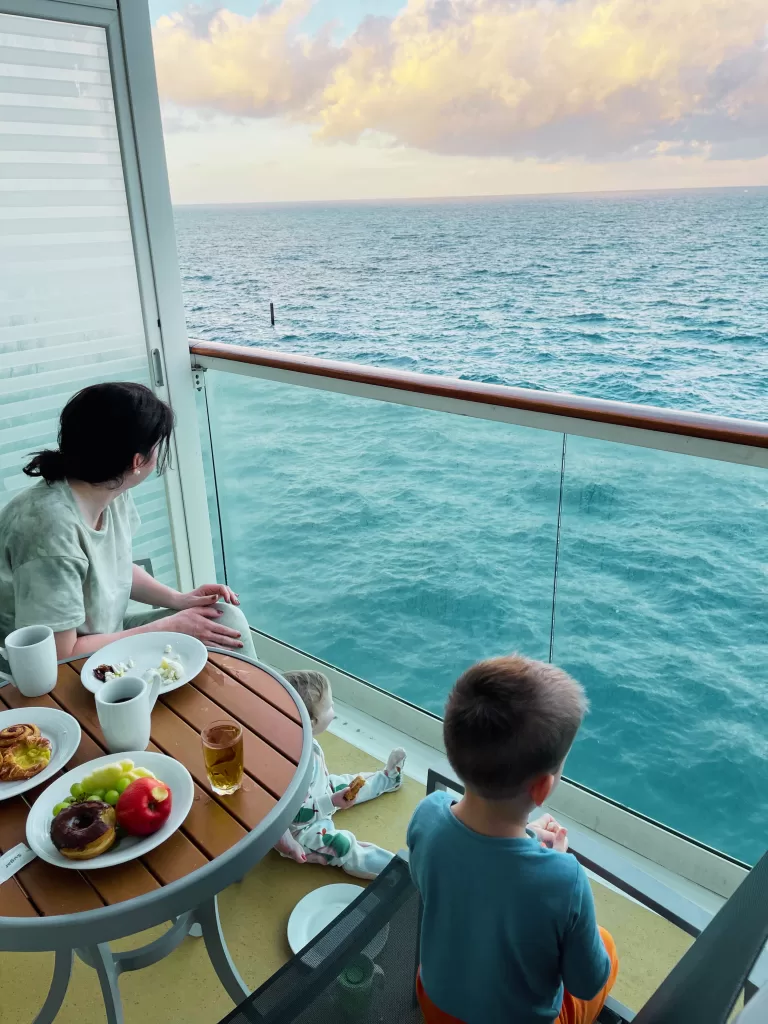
<point>49,464</point>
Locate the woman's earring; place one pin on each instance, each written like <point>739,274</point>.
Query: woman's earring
<point>136,472</point>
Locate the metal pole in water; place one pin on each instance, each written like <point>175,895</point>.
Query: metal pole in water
<point>272,313</point>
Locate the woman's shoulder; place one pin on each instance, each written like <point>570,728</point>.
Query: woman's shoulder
<point>40,522</point>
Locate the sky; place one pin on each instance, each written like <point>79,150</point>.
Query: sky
<point>290,100</point>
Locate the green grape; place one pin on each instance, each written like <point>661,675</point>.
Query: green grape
<point>76,789</point>
<point>69,800</point>
<point>109,775</point>
<point>97,795</point>
<point>123,783</point>
<point>111,796</point>
<point>143,773</point>
<point>127,766</point>
<point>59,808</point>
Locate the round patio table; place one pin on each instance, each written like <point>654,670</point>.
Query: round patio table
<point>70,912</point>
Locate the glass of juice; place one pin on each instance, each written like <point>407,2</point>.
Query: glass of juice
<point>223,753</point>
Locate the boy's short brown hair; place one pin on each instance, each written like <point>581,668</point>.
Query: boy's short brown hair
<point>509,720</point>
<point>311,686</point>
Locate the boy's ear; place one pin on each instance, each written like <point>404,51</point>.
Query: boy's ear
<point>540,788</point>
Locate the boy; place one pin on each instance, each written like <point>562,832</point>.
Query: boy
<point>509,931</point>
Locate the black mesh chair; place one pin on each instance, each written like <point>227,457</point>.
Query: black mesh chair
<point>361,968</point>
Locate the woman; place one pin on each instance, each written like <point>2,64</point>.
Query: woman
<point>65,543</point>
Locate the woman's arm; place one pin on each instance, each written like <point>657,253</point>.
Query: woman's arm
<point>147,590</point>
<point>198,622</point>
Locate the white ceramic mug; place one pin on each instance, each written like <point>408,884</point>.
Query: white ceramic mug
<point>31,653</point>
<point>124,707</point>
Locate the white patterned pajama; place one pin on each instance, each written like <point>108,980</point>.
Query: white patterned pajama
<point>313,828</point>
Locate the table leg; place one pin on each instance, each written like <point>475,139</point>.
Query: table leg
<point>101,959</point>
<point>62,971</point>
<point>207,915</point>
<point>144,956</point>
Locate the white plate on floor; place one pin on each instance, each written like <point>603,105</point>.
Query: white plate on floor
<point>57,726</point>
<point>169,771</point>
<point>318,908</point>
<point>146,650</point>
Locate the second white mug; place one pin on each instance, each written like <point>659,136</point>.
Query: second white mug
<point>31,653</point>
<point>124,707</point>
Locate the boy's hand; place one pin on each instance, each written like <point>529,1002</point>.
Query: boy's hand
<point>550,833</point>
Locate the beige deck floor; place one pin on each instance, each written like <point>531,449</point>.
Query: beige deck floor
<point>254,913</point>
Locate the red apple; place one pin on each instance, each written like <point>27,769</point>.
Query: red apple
<point>143,807</point>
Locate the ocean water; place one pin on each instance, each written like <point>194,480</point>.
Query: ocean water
<point>404,544</point>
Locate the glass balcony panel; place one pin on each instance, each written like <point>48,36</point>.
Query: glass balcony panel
<point>660,613</point>
<point>396,543</point>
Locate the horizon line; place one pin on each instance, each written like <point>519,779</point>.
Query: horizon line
<point>481,196</point>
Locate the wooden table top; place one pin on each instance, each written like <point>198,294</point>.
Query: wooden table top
<point>226,688</point>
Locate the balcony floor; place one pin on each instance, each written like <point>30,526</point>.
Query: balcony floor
<point>254,915</point>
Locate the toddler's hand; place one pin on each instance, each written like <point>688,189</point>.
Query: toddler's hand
<point>340,799</point>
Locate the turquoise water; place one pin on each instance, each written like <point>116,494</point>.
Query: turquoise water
<point>403,544</point>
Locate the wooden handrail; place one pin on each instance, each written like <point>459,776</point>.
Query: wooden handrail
<point>751,433</point>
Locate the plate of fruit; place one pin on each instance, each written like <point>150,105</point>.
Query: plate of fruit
<point>107,812</point>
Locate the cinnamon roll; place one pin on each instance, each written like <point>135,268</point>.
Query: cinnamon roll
<point>13,734</point>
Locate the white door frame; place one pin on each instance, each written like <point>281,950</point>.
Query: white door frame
<point>137,113</point>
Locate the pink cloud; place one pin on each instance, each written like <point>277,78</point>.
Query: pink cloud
<point>583,78</point>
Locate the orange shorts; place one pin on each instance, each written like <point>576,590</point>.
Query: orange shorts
<point>573,1011</point>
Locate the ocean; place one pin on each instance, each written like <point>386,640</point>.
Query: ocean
<point>404,544</point>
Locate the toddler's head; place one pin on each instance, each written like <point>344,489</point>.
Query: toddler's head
<point>509,724</point>
<point>315,690</point>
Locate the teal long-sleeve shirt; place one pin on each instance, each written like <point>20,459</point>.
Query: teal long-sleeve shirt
<point>507,924</point>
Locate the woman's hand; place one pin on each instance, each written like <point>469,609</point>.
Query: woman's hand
<point>206,596</point>
<point>202,623</point>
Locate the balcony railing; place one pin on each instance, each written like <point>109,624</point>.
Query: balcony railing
<point>402,526</point>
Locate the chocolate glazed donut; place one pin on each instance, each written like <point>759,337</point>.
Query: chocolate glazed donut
<point>84,830</point>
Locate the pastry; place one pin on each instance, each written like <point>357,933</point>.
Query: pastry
<point>24,759</point>
<point>354,788</point>
<point>84,830</point>
<point>15,733</point>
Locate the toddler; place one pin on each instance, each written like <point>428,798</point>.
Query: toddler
<point>312,836</point>
<point>509,930</point>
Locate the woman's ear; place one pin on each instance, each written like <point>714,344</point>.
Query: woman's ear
<point>137,464</point>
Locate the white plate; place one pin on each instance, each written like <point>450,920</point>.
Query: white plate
<point>321,906</point>
<point>58,727</point>
<point>171,772</point>
<point>146,650</point>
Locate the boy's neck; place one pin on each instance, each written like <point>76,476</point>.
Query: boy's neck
<point>501,819</point>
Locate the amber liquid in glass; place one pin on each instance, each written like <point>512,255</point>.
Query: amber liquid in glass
<point>223,753</point>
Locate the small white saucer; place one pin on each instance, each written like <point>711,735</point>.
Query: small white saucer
<point>318,908</point>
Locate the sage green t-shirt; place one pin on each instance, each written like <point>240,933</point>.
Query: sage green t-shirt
<point>56,571</point>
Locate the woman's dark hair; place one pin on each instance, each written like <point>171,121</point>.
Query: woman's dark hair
<point>101,429</point>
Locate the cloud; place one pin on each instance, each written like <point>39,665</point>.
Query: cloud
<point>549,79</point>
<point>255,67</point>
